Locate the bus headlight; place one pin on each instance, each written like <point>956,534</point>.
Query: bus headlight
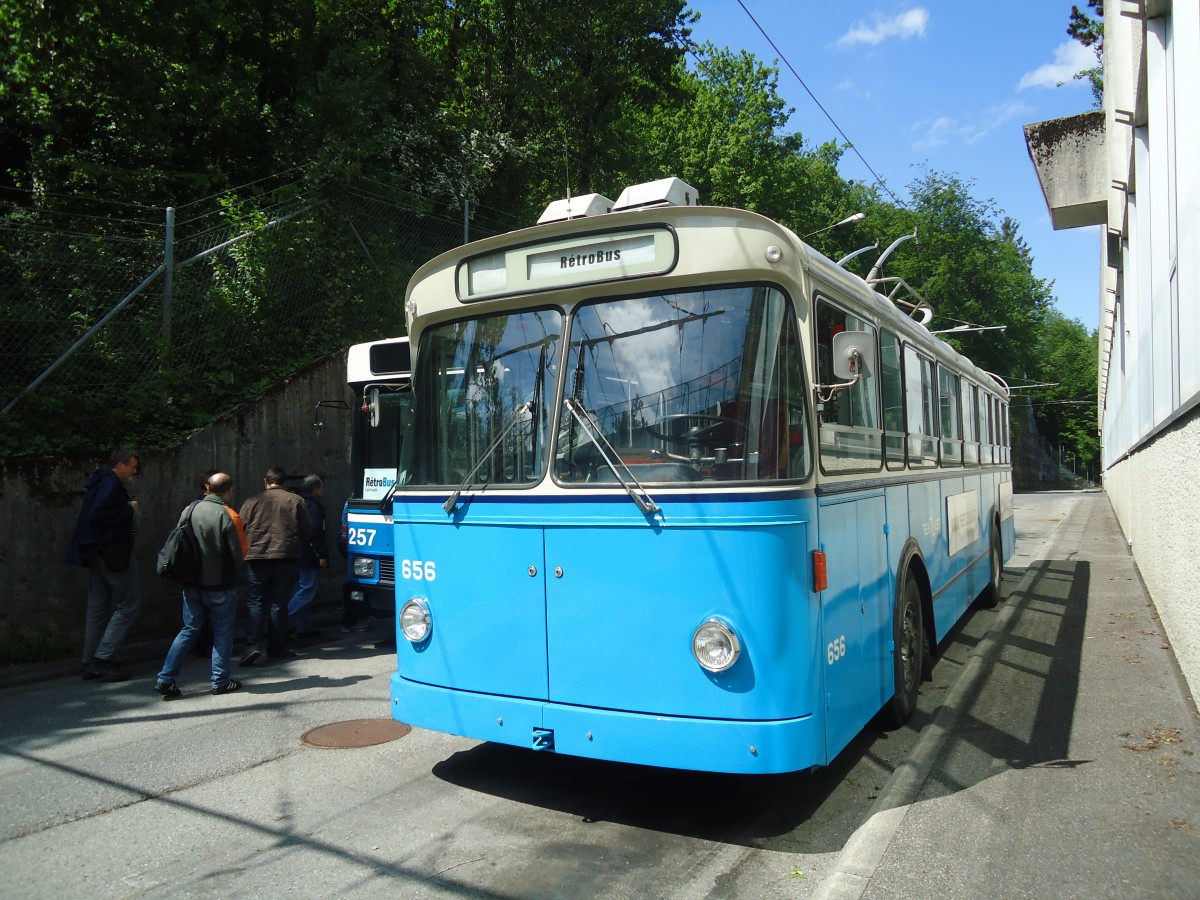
<point>363,567</point>
<point>715,646</point>
<point>414,620</point>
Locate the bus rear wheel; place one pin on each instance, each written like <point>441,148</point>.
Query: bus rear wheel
<point>991,593</point>
<point>908,635</point>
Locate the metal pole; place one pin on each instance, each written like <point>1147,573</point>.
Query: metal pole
<point>168,274</point>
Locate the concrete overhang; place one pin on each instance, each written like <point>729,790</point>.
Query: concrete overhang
<point>1072,168</point>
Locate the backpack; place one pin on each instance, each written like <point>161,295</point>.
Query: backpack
<point>179,558</point>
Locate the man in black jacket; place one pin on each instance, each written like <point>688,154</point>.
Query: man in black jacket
<point>103,544</point>
<point>212,600</point>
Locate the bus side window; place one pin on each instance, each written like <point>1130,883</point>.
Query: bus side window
<point>851,438</point>
<point>970,412</point>
<point>891,390</point>
<point>920,396</point>
<point>985,428</point>
<point>948,417</point>
<point>1007,440</point>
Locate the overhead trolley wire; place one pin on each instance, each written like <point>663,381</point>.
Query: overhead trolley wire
<point>820,106</point>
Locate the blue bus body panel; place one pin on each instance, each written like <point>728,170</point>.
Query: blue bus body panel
<point>368,534</point>
<point>857,609</point>
<point>622,616</point>
<point>488,608</point>
<point>566,622</point>
<point>586,625</point>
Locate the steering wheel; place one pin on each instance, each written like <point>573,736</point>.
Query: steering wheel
<point>696,435</point>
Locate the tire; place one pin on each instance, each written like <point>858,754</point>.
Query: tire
<point>991,594</point>
<point>908,633</point>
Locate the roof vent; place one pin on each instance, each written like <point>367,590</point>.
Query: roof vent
<point>664,192</point>
<point>576,208</point>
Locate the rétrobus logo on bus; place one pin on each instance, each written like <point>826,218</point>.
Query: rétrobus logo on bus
<point>371,481</point>
<point>598,257</point>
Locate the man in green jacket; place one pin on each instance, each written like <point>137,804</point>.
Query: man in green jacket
<point>213,599</point>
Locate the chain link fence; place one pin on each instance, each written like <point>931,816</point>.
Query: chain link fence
<point>119,329</point>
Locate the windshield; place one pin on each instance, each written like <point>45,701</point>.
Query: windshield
<point>699,386</point>
<point>378,439</point>
<point>484,386</point>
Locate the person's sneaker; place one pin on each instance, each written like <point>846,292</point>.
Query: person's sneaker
<point>105,669</point>
<point>228,687</point>
<point>356,628</point>
<point>168,689</point>
<point>90,672</point>
<point>250,657</point>
<point>283,654</point>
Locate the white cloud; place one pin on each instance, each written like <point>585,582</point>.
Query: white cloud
<point>938,132</point>
<point>905,25</point>
<point>1069,58</point>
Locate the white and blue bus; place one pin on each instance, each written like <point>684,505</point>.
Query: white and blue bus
<point>380,375</point>
<point>680,491</point>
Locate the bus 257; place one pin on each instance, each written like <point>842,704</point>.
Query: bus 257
<point>379,374</point>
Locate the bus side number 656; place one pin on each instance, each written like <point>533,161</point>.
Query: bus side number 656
<point>836,649</point>
<point>416,570</point>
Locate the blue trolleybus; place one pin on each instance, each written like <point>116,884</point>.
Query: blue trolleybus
<point>680,491</point>
<point>379,373</point>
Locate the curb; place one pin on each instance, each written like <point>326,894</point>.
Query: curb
<point>859,858</point>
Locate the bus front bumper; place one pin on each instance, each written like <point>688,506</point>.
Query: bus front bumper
<point>708,745</point>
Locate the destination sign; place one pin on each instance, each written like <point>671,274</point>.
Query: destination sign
<point>565,263</point>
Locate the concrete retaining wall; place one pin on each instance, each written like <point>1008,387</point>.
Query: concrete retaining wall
<point>1156,497</point>
<point>42,598</point>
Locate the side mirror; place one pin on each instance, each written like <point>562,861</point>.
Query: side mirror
<point>373,407</point>
<point>853,355</point>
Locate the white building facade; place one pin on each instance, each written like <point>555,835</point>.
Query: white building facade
<point>1134,168</point>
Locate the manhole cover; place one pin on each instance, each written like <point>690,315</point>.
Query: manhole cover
<point>355,733</point>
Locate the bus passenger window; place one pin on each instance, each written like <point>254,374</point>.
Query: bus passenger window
<point>891,390</point>
<point>851,439</point>
<point>919,390</point>
<point>970,426</point>
<point>948,417</point>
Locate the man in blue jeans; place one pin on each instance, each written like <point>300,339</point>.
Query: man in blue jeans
<point>314,557</point>
<point>277,528</point>
<point>213,599</point>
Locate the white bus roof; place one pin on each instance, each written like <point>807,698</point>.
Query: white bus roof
<point>383,361</point>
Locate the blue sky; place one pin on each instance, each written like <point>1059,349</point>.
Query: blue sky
<point>943,85</point>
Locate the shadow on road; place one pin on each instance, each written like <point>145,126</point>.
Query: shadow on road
<point>1018,715</point>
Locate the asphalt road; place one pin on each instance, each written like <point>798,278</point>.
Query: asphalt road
<point>1014,756</point>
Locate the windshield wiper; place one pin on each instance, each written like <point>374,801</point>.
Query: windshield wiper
<point>452,502</point>
<point>589,425</point>
<point>387,498</point>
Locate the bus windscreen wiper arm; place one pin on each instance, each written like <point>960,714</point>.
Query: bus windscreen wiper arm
<point>589,425</point>
<point>452,502</point>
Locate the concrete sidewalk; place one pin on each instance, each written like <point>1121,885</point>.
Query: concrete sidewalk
<point>1062,761</point>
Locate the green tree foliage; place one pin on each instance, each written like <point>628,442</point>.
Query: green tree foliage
<point>560,86</point>
<point>971,266</point>
<point>1088,29</point>
<point>724,132</point>
<point>371,125</point>
<point>1066,409</point>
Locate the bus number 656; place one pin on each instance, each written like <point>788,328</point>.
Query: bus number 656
<point>416,570</point>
